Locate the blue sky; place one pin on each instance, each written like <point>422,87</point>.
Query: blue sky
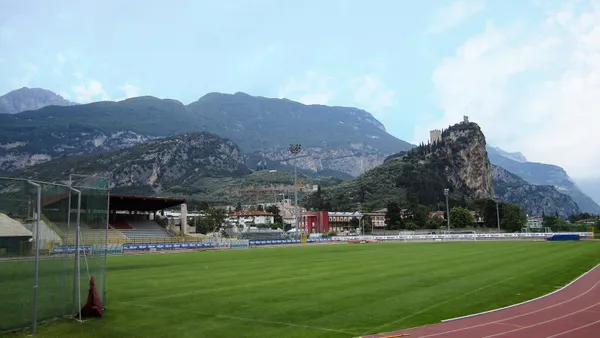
<point>525,70</point>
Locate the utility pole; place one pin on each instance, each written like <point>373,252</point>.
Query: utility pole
<point>446,192</point>
<point>295,150</point>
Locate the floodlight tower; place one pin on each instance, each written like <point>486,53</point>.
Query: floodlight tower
<point>295,150</point>
<point>498,213</point>
<point>446,192</point>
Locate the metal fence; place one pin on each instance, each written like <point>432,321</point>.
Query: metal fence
<point>53,238</point>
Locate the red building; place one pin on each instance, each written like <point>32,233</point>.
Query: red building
<point>315,222</point>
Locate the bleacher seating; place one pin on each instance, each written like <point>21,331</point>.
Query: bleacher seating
<point>89,235</point>
<point>121,225</point>
<point>145,230</point>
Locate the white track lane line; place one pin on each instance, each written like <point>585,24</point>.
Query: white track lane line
<point>438,304</point>
<point>544,322</point>
<point>513,317</point>
<point>575,329</point>
<point>527,301</point>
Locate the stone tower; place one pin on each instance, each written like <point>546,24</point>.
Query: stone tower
<point>435,135</point>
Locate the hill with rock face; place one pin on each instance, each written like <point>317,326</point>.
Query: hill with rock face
<point>336,141</point>
<point>167,163</point>
<point>342,139</point>
<point>25,99</point>
<point>458,162</point>
<point>544,175</point>
<point>535,200</point>
<point>33,137</point>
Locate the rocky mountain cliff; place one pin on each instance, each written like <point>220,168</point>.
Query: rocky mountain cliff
<point>347,140</point>
<point>535,200</point>
<point>591,187</point>
<point>543,174</point>
<point>33,137</point>
<point>25,99</point>
<point>151,167</point>
<point>458,162</point>
<point>335,140</point>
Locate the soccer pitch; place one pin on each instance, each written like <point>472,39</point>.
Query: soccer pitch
<point>323,290</point>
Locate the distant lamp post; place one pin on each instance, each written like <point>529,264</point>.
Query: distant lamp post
<point>295,150</point>
<point>446,192</point>
<point>498,214</point>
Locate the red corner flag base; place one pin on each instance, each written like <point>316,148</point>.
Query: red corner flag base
<point>93,306</point>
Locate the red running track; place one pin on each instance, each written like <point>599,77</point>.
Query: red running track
<point>573,312</point>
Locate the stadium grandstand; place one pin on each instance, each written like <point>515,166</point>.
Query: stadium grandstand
<point>131,219</point>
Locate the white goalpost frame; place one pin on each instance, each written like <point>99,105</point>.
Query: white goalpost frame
<point>77,270</point>
<point>78,236</point>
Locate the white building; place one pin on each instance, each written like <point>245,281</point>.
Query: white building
<point>247,219</point>
<point>286,211</point>
<point>535,222</point>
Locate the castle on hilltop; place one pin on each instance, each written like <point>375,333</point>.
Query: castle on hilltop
<point>435,135</point>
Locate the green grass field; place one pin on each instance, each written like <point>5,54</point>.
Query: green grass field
<point>323,291</point>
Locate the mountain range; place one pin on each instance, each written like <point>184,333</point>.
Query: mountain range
<point>25,99</point>
<point>339,141</point>
<point>542,174</point>
<point>336,141</point>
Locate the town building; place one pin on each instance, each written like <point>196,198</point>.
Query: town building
<point>286,211</point>
<point>340,220</point>
<point>314,222</point>
<point>247,219</point>
<point>377,218</point>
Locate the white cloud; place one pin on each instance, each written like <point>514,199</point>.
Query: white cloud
<point>61,63</point>
<point>129,90</point>
<point>533,90</point>
<point>367,92</point>
<point>371,94</point>
<point>30,70</point>
<point>89,91</point>
<point>451,16</point>
<point>313,88</point>
<point>78,75</point>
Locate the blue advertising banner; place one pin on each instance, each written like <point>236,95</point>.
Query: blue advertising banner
<point>289,241</point>
<point>174,246</point>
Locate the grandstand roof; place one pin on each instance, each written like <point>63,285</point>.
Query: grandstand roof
<point>143,203</point>
<point>124,202</point>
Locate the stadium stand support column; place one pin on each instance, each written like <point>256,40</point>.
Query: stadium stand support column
<point>184,226</point>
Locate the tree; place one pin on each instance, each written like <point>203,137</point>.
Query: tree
<point>435,223</point>
<point>410,225</point>
<point>393,219</point>
<point>555,223</point>
<point>354,223</point>
<point>273,209</point>
<point>260,208</point>
<point>581,216</point>
<point>461,218</point>
<point>216,217</point>
<point>512,218</point>
<point>367,224</point>
<point>486,208</point>
<point>238,206</point>
<point>420,216</point>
